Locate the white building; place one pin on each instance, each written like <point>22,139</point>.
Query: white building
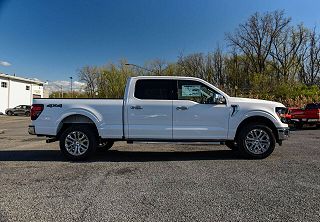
<point>16,91</point>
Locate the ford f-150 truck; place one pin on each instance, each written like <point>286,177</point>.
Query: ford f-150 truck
<point>161,109</point>
<point>308,115</point>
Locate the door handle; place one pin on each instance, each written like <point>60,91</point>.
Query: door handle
<point>181,108</point>
<point>136,107</point>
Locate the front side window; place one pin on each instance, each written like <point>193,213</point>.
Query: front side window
<point>197,92</point>
<point>157,89</point>
<point>3,84</point>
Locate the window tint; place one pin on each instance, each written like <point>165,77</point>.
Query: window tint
<point>159,89</point>
<point>313,106</point>
<point>196,91</point>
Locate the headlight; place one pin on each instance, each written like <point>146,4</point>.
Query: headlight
<point>281,112</point>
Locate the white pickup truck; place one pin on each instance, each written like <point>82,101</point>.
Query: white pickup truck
<point>161,109</point>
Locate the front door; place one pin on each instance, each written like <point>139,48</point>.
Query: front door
<point>150,110</point>
<point>199,113</point>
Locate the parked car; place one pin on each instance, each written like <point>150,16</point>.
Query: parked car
<point>161,109</point>
<point>19,110</point>
<point>308,115</point>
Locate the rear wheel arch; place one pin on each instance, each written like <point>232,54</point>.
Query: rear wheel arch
<point>76,119</point>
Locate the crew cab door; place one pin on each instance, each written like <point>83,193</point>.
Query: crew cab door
<point>149,110</point>
<point>199,113</point>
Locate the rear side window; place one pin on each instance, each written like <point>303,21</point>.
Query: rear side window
<point>158,89</point>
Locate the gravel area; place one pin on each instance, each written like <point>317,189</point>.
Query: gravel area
<point>157,182</point>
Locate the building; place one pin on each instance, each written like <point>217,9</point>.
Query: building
<point>16,91</point>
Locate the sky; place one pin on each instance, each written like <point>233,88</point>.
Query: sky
<point>52,39</point>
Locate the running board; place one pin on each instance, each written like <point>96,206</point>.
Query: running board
<point>178,143</point>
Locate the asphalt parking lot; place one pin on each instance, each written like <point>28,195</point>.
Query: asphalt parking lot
<point>157,182</point>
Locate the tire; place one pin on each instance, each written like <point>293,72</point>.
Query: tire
<point>256,141</point>
<point>105,145</point>
<point>78,142</point>
<point>10,113</point>
<point>27,113</point>
<point>298,125</point>
<point>232,145</point>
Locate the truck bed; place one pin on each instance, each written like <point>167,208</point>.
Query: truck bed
<point>105,113</point>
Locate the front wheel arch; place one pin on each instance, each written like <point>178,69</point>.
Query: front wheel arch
<point>258,120</point>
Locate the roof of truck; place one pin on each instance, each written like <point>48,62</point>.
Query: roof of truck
<point>166,77</point>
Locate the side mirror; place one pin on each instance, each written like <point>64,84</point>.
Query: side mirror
<point>219,99</point>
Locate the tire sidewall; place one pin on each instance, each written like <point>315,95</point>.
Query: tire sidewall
<point>89,132</point>
<point>241,141</point>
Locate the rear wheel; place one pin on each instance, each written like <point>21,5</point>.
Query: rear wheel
<point>78,142</point>
<point>10,113</point>
<point>256,141</point>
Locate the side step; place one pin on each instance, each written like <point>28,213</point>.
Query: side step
<point>51,140</point>
<point>173,142</point>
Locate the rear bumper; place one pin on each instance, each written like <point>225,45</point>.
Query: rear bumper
<point>283,133</point>
<point>31,130</point>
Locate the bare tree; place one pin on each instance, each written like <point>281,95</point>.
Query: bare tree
<point>218,64</point>
<point>255,38</point>
<point>310,60</point>
<point>197,65</point>
<point>157,66</point>
<point>285,51</point>
<point>90,76</point>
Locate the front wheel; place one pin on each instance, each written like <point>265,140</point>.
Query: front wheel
<point>256,141</point>
<point>78,142</point>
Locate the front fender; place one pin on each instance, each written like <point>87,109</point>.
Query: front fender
<point>234,122</point>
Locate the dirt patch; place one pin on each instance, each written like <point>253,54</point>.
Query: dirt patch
<point>31,139</point>
<point>121,172</point>
<point>6,138</point>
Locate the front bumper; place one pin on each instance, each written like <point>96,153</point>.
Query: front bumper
<point>283,133</point>
<point>31,130</point>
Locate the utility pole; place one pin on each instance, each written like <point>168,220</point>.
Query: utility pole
<point>71,86</point>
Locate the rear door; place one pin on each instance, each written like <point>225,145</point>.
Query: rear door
<point>150,109</point>
<point>199,113</point>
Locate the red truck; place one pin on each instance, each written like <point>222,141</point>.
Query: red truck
<point>308,115</point>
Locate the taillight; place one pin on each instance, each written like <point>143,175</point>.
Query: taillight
<point>36,110</point>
